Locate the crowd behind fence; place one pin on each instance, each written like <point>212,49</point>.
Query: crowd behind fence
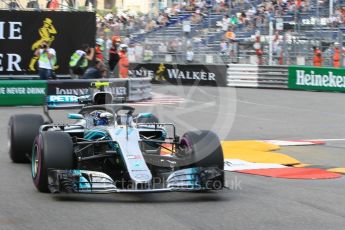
<point>161,37</point>
<point>306,24</point>
<point>290,49</point>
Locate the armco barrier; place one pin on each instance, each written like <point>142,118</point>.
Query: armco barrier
<point>22,92</point>
<point>118,87</point>
<point>139,89</point>
<point>241,75</point>
<point>131,89</point>
<point>33,92</point>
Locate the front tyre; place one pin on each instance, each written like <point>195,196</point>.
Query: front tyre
<point>51,150</point>
<point>22,130</point>
<point>203,149</point>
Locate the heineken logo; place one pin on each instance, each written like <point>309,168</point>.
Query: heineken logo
<point>311,78</point>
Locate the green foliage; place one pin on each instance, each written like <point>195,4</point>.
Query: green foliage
<point>106,11</point>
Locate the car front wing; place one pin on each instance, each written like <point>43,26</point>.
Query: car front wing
<point>84,181</point>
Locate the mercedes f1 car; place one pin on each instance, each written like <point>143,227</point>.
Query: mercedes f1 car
<point>108,149</point>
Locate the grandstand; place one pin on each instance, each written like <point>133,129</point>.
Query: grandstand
<point>305,24</point>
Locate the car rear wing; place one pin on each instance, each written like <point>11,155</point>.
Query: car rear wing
<point>64,102</point>
<point>99,94</point>
<point>56,102</point>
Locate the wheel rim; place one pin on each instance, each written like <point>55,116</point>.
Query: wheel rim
<point>186,144</point>
<point>9,138</point>
<point>35,161</point>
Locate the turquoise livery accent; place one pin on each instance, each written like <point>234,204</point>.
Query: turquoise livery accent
<point>62,99</point>
<point>99,133</point>
<point>75,116</point>
<point>118,131</point>
<point>145,115</point>
<point>83,183</point>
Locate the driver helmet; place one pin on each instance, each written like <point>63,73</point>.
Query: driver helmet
<point>103,118</point>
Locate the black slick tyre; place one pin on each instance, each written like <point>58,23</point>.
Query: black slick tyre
<point>22,131</point>
<point>52,150</point>
<point>203,149</point>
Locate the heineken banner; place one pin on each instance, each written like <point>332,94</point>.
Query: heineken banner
<point>22,92</point>
<point>316,78</point>
<point>22,32</point>
<point>184,74</point>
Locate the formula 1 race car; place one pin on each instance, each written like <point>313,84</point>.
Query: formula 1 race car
<point>109,149</point>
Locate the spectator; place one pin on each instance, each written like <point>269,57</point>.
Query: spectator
<point>108,44</point>
<point>233,54</point>
<point>336,55</point>
<point>317,59</point>
<point>225,23</point>
<point>123,63</point>
<point>150,25</point>
<point>92,4</point>
<point>230,35</point>
<point>113,54</point>
<point>131,52</point>
<point>99,49</point>
<point>233,20</point>
<point>160,19</point>
<point>189,55</point>
<point>95,72</point>
<point>223,47</point>
<point>242,22</point>
<point>196,18</point>
<point>127,40</point>
<point>277,50</point>
<point>172,49</point>
<point>79,60</point>
<point>162,50</point>
<point>139,51</point>
<point>52,4</point>
<point>148,54</point>
<point>46,61</point>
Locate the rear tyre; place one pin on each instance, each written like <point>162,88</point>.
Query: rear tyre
<point>51,150</point>
<point>203,149</point>
<point>22,130</point>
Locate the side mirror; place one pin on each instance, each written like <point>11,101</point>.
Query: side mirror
<point>144,115</point>
<point>75,116</point>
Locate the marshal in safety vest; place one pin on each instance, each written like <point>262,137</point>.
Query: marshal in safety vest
<point>78,63</point>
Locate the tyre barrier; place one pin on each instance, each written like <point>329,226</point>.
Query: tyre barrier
<point>34,92</point>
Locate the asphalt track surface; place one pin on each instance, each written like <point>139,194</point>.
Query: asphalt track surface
<point>254,202</point>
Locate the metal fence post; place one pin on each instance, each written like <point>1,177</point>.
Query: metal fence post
<point>340,38</point>
<point>270,47</point>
